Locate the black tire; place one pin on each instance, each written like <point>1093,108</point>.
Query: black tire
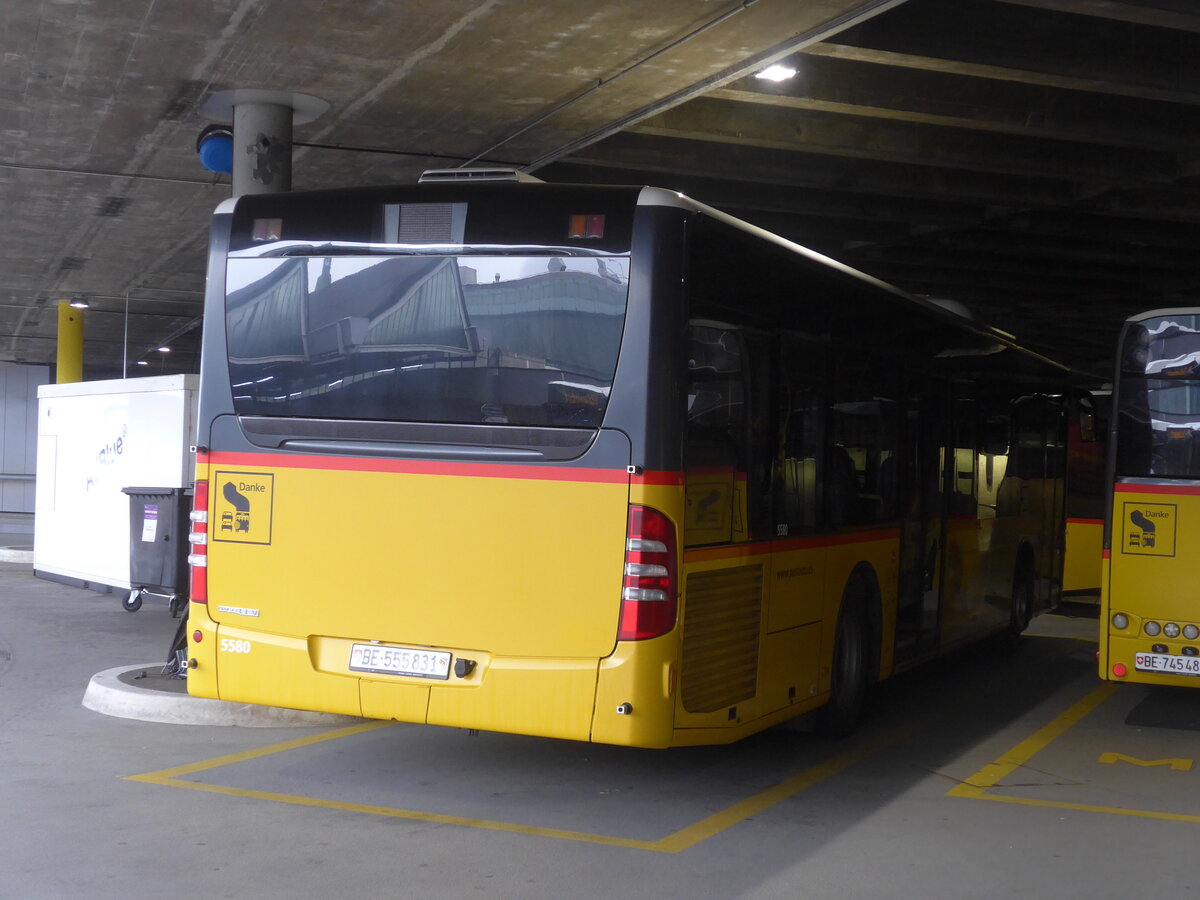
<point>851,658</point>
<point>1021,612</point>
<point>1022,600</point>
<point>133,602</point>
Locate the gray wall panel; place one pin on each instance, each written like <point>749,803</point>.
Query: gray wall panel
<point>18,434</point>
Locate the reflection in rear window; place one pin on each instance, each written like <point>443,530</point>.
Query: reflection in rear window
<point>1159,411</point>
<point>521,340</point>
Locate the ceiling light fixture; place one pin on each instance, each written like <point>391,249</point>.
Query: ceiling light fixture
<point>776,73</point>
<point>164,349</point>
<point>142,362</point>
<point>79,303</point>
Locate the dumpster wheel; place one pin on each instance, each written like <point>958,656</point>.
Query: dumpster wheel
<point>133,602</point>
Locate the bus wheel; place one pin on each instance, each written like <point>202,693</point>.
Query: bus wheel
<point>1022,608</point>
<point>848,692</point>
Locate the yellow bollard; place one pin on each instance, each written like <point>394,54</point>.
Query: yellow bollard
<point>70,344</point>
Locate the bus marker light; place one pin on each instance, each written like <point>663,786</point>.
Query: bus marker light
<point>1191,632</point>
<point>198,558</point>
<point>648,590</point>
<point>197,636</point>
<point>1119,670</point>
<point>586,226</point>
<point>1191,651</point>
<point>1171,630</point>
<point>1153,628</point>
<point>1120,621</point>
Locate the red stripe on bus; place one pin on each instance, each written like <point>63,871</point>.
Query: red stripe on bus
<point>835,540</point>
<point>418,467</point>
<point>1192,489</point>
<point>1084,521</point>
<point>660,479</point>
<point>731,551</point>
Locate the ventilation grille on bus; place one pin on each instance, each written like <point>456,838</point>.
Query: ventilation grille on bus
<point>720,638</point>
<point>424,223</point>
<point>435,176</point>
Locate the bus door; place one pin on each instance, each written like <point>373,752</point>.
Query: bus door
<point>1050,587</point>
<point>1087,428</point>
<point>1038,423</point>
<point>923,525</point>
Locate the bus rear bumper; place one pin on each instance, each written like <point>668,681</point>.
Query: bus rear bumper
<point>545,697</point>
<point>1119,663</point>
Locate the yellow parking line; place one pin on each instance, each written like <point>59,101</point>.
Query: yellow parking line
<point>398,813</point>
<point>680,840</point>
<point>990,775</point>
<point>977,787</point>
<point>165,775</point>
<point>1084,807</point>
<point>744,809</point>
<point>1062,637</point>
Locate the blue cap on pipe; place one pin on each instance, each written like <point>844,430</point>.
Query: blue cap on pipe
<point>215,148</point>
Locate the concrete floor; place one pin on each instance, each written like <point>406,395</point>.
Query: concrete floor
<point>979,776</point>
<point>16,537</point>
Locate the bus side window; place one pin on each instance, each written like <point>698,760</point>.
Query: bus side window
<point>963,499</point>
<point>802,411</point>
<point>714,453</point>
<point>1035,438</point>
<point>864,441</point>
<point>1086,413</point>
<point>1025,461</point>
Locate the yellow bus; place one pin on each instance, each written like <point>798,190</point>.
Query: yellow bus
<point>1150,625</point>
<point>595,463</point>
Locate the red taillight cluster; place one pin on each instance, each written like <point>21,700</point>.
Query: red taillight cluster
<point>648,601</point>
<point>198,558</point>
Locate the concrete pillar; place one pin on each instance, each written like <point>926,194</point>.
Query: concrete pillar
<point>70,344</point>
<point>262,134</point>
<point>262,148</point>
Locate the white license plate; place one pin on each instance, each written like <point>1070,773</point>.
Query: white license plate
<point>400,661</point>
<point>1164,662</point>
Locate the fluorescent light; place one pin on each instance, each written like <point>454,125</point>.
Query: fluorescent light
<point>164,349</point>
<point>776,73</point>
<point>142,362</point>
<point>79,303</point>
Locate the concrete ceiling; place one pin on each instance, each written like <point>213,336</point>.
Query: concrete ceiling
<point>1035,159</point>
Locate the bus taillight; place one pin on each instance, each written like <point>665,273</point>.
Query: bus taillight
<point>198,538</point>
<point>648,593</point>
